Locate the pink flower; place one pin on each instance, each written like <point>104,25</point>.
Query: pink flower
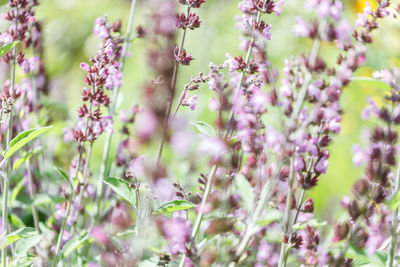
<point>100,28</point>
<point>85,66</point>
<point>360,156</point>
<point>362,20</point>
<point>322,164</point>
<point>146,124</point>
<point>191,102</point>
<point>30,64</point>
<point>177,232</point>
<point>278,7</point>
<point>367,9</point>
<point>214,104</point>
<point>371,109</point>
<point>99,235</point>
<point>384,75</point>
<point>214,147</point>
<point>246,6</point>
<point>301,28</point>
<point>299,164</point>
<point>6,38</point>
<point>120,216</point>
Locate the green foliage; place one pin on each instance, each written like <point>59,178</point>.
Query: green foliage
<point>121,188</point>
<point>361,257</point>
<point>64,175</point>
<point>175,205</point>
<point>17,235</point>
<point>26,157</point>
<point>4,49</point>
<point>76,243</point>
<point>22,139</point>
<point>373,82</point>
<point>204,128</point>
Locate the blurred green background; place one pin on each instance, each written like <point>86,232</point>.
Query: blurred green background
<point>69,40</point>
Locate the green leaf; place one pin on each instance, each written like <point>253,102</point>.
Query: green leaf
<point>64,175</point>
<point>23,245</point>
<point>16,191</point>
<point>122,188</point>
<point>25,157</point>
<point>271,215</point>
<point>4,49</point>
<point>23,262</point>
<point>362,258</point>
<point>15,236</point>
<point>16,221</point>
<point>371,81</point>
<point>313,222</point>
<point>394,202</point>
<point>243,186</point>
<point>43,199</point>
<point>76,243</point>
<point>175,205</point>
<point>22,139</point>
<point>204,128</point>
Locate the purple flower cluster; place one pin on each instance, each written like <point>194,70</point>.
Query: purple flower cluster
<point>102,75</point>
<point>369,224</point>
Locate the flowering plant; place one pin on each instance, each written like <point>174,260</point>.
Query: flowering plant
<point>170,161</point>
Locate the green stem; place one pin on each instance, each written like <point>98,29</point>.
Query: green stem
<point>171,100</point>
<point>395,224</point>
<point>32,195</point>
<point>6,184</point>
<point>265,196</point>
<point>85,176</point>
<point>228,133</point>
<point>113,106</point>
<point>283,253</point>
<point>71,197</point>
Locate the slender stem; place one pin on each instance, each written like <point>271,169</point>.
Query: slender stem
<point>32,195</point>
<point>171,100</point>
<point>395,223</point>
<point>4,218</point>
<point>6,184</point>
<point>71,197</point>
<point>113,106</point>
<point>179,104</point>
<point>265,196</point>
<point>207,191</point>
<point>200,215</point>
<point>61,234</point>
<point>282,256</point>
<point>85,174</point>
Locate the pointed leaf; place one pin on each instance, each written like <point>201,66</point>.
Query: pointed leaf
<point>313,222</point>
<point>175,205</point>
<point>371,81</point>
<point>16,221</point>
<point>15,236</point>
<point>64,175</point>
<point>22,139</point>
<point>25,157</point>
<point>4,49</point>
<point>204,128</point>
<point>23,245</point>
<point>122,188</point>
<point>76,243</point>
<point>16,191</point>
